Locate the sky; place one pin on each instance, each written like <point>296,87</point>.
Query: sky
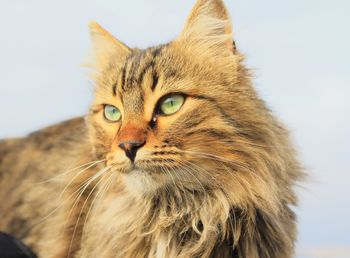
<point>299,52</point>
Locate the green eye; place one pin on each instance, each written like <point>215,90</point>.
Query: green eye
<point>112,113</point>
<point>172,104</point>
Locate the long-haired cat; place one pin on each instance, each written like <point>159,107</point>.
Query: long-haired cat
<point>177,157</point>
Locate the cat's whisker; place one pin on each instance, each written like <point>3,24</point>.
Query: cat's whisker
<point>195,177</point>
<point>83,188</point>
<point>176,172</point>
<point>201,169</point>
<point>61,201</point>
<point>165,170</point>
<point>209,155</point>
<point>78,174</point>
<point>60,197</point>
<point>100,192</point>
<point>93,178</point>
<point>228,161</point>
<point>175,169</point>
<point>172,178</point>
<point>172,172</point>
<point>92,163</point>
<point>109,181</point>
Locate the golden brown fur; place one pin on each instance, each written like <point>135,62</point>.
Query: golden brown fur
<point>214,179</point>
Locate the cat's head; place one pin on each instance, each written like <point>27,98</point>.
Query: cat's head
<point>182,114</point>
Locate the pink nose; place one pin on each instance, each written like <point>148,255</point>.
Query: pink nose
<point>130,139</point>
<point>131,148</point>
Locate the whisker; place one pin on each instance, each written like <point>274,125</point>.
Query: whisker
<point>230,162</point>
<point>60,197</point>
<point>83,187</point>
<point>72,170</point>
<point>93,178</point>
<point>188,179</point>
<point>189,171</point>
<point>172,171</point>
<point>202,169</point>
<point>79,173</point>
<point>100,193</point>
<point>111,179</point>
<point>167,171</point>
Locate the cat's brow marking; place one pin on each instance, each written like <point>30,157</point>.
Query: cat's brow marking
<point>123,77</point>
<point>130,81</point>
<point>130,70</point>
<point>114,88</point>
<point>155,80</point>
<point>149,65</point>
<point>126,73</point>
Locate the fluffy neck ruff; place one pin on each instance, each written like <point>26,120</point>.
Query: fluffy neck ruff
<point>175,223</point>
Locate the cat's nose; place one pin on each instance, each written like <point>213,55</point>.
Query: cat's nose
<point>131,148</point>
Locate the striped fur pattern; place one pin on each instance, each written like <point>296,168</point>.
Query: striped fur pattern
<point>215,179</point>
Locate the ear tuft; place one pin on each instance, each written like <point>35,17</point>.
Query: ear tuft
<point>208,26</point>
<point>105,45</point>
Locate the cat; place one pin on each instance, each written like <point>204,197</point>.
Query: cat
<point>177,157</point>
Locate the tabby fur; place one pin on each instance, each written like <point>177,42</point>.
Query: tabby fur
<point>215,179</point>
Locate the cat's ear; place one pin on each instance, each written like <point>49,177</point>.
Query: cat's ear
<point>209,26</point>
<point>106,46</point>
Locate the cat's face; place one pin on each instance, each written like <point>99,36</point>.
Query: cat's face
<point>168,116</point>
<point>157,116</point>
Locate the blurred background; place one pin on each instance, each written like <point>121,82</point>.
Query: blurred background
<point>299,51</point>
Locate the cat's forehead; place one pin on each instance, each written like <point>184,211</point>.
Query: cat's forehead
<point>141,74</point>
<point>136,66</point>
<point>156,61</point>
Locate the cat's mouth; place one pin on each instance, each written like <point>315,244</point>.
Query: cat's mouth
<point>140,168</point>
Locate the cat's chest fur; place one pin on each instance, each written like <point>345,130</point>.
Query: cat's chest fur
<point>120,229</point>
<point>123,225</point>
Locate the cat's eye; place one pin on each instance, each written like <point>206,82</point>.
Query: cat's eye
<point>111,113</point>
<point>171,104</point>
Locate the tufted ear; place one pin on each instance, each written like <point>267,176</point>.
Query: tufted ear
<point>105,46</point>
<point>208,27</point>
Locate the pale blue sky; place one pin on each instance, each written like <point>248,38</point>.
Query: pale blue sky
<point>298,49</point>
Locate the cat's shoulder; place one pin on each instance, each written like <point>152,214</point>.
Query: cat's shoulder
<point>69,130</point>
<point>63,134</point>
